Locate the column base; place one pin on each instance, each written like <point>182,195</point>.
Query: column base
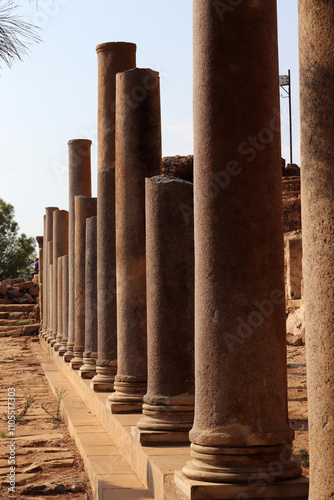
<point>150,437</point>
<point>127,398</point>
<point>53,342</point>
<point>69,354</point>
<point>293,489</point>
<point>104,379</point>
<point>169,423</point>
<point>76,362</point>
<point>57,346</point>
<point>62,349</point>
<point>118,407</point>
<point>88,369</point>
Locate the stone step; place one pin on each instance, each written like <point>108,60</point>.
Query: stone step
<point>4,315</point>
<point>17,307</point>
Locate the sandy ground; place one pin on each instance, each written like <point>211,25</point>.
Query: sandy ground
<point>47,463</point>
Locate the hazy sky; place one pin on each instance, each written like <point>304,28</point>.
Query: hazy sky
<point>51,96</point>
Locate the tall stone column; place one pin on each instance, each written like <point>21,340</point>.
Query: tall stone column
<point>88,369</point>
<point>241,431</point>
<point>79,169</point>
<point>65,301</point>
<point>169,403</point>
<point>48,232</point>
<point>59,335</point>
<point>316,59</point>
<point>84,207</point>
<point>39,240</point>
<point>60,248</point>
<point>112,58</point>
<point>138,155</point>
<point>48,337</point>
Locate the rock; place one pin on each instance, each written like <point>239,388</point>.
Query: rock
<point>28,297</point>
<point>178,166</point>
<point>33,468</point>
<point>34,291</point>
<point>295,321</point>
<point>13,292</point>
<point>30,329</point>
<point>21,300</point>
<point>3,289</point>
<point>294,340</point>
<point>25,285</point>
<point>13,281</point>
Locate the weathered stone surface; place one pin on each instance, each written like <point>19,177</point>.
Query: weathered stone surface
<point>169,403</point>
<point>316,59</point>
<point>3,289</point>
<point>79,169</point>
<point>47,239</point>
<point>88,369</point>
<point>178,166</point>
<point>65,301</point>
<point>239,293</point>
<point>13,292</point>
<point>113,58</point>
<point>85,207</point>
<point>138,156</point>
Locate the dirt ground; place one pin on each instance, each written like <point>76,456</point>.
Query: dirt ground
<point>47,463</point>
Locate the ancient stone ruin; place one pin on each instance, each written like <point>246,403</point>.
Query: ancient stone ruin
<point>164,300</point>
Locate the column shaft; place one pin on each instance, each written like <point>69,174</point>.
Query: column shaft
<point>241,431</point>
<point>60,247</point>
<point>79,169</point>
<point>138,155</point>
<point>39,240</point>
<point>112,58</point>
<point>169,403</point>
<point>47,237</point>
<point>316,59</point>
<point>48,337</point>
<point>84,207</point>
<point>88,369</point>
<point>65,301</point>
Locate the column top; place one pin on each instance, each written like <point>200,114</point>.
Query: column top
<point>39,240</point>
<point>108,46</point>
<point>73,141</point>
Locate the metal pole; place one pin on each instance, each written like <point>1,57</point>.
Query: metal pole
<point>290,116</point>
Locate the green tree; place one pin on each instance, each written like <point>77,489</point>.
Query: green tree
<point>17,252</point>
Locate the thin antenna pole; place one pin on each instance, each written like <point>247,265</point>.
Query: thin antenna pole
<point>290,115</point>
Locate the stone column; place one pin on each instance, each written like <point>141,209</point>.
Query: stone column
<point>79,168</point>
<point>59,335</point>
<point>60,247</point>
<point>241,431</point>
<point>316,59</point>
<point>39,240</point>
<point>112,58</point>
<point>65,300</point>
<point>88,369</point>
<point>169,403</point>
<point>84,207</point>
<point>47,237</point>
<point>48,337</point>
<point>138,155</point>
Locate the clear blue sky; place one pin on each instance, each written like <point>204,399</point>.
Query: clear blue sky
<point>51,96</point>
